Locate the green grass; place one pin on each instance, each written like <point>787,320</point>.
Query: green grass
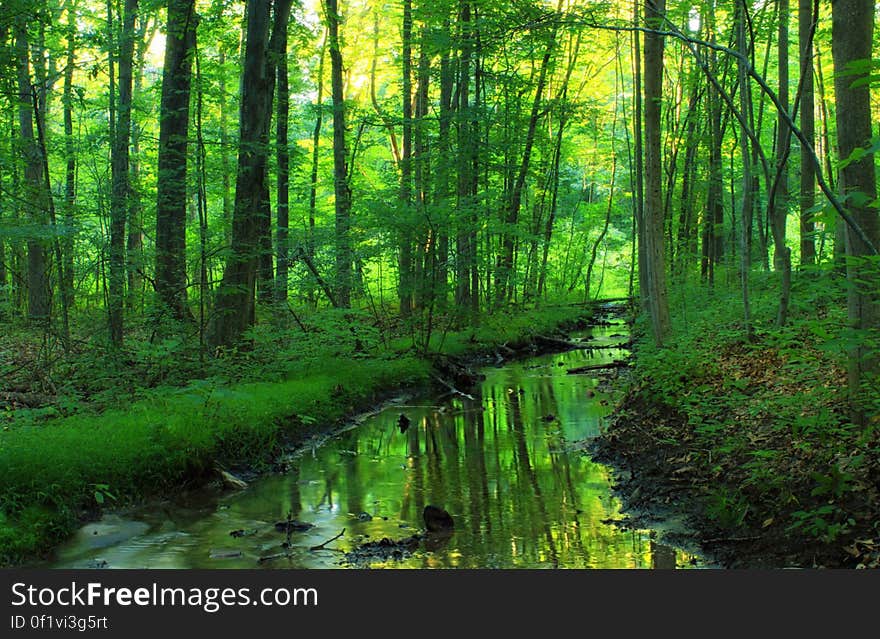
<point>54,472</point>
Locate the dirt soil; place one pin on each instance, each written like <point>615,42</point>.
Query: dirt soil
<point>663,473</point>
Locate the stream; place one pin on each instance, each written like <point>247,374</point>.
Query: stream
<point>508,464</point>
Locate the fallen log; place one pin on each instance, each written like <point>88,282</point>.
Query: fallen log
<point>618,363</point>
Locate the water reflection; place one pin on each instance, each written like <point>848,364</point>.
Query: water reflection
<point>507,465</point>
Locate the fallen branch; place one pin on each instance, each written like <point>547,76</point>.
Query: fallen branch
<point>321,546</point>
<point>618,363</point>
<point>452,388</point>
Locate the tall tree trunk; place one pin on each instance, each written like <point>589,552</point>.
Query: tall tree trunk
<point>781,253</point>
<point>638,160</point>
<point>171,186</point>
<point>234,308</point>
<point>713,245</point>
<point>808,128</point>
<point>36,200</point>
<point>69,156</point>
<point>747,193</point>
<point>283,177</point>
<point>444,154</point>
<point>653,227</point>
<point>313,179</point>
<point>342,191</point>
<point>851,39</point>
<point>135,244</point>
<point>425,267</point>
<point>463,259</point>
<point>121,184</point>
<point>405,261</point>
<point>225,170</point>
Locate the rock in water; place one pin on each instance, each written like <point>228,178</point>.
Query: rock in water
<point>437,519</point>
<point>403,422</point>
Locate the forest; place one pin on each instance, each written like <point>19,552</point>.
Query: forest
<point>229,225</point>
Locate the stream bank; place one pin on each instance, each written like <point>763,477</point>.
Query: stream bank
<point>751,450</point>
<point>503,459</point>
<point>66,471</point>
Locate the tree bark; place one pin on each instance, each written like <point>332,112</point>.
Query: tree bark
<point>851,37</point>
<point>283,177</point>
<point>234,308</point>
<point>405,258</point>
<point>121,179</point>
<point>171,189</point>
<point>342,191</point>
<point>653,227</point>
<point>808,128</point>
<point>36,200</point>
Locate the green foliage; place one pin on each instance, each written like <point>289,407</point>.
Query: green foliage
<point>767,418</point>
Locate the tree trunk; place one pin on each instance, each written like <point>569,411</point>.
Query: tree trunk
<point>313,179</point>
<point>283,178</point>
<point>234,308</point>
<point>69,156</point>
<point>747,192</point>
<point>653,226</point>
<point>851,37</point>
<point>171,186</point>
<point>121,183</point>
<point>405,261</point>
<point>781,253</point>
<point>808,128</point>
<point>638,160</point>
<point>342,191</point>
<point>36,200</point>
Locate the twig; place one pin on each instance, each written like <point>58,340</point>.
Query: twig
<point>321,546</point>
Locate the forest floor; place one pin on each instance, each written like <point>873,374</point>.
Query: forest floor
<point>93,428</point>
<point>750,441</point>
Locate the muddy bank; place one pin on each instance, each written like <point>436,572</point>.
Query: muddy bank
<point>664,471</point>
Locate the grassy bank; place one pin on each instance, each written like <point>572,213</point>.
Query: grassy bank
<point>753,437</point>
<point>56,470</point>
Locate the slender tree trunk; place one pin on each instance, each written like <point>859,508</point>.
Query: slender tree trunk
<point>344,256</point>
<point>808,128</point>
<point>36,200</point>
<point>747,193</point>
<point>68,243</point>
<point>659,305</point>
<point>171,195</point>
<point>713,223</point>
<point>463,260</point>
<point>313,180</point>
<point>135,244</point>
<point>225,170</point>
<point>852,37</point>
<point>283,178</point>
<point>405,260</point>
<point>444,153</point>
<point>781,253</point>
<point>425,267</point>
<point>121,182</point>
<point>638,158</point>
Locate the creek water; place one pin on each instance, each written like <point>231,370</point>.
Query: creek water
<point>508,463</point>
